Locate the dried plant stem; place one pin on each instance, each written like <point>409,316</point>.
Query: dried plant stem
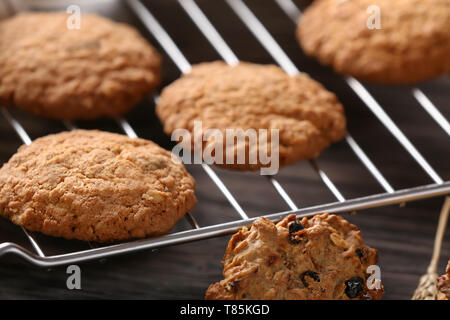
<point>427,284</point>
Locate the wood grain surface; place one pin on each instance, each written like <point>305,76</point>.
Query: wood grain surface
<point>403,235</point>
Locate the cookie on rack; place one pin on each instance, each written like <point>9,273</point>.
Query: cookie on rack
<point>247,96</point>
<point>411,43</point>
<point>443,285</point>
<point>95,186</point>
<point>51,68</point>
<point>323,257</point>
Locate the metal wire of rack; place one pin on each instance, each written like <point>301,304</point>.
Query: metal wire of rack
<point>390,196</point>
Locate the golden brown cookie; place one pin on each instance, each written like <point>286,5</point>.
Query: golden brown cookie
<point>309,259</point>
<point>443,285</point>
<point>95,186</point>
<point>102,69</point>
<point>412,45</point>
<point>252,96</point>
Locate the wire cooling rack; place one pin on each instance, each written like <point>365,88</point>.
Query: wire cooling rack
<point>390,196</point>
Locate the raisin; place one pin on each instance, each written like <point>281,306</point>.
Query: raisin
<point>354,287</point>
<point>272,259</point>
<point>313,275</point>
<point>234,286</point>
<point>295,227</point>
<point>360,252</point>
<point>294,240</point>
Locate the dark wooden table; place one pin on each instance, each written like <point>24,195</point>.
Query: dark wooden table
<point>403,235</point>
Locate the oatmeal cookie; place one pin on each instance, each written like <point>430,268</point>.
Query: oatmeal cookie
<point>443,285</point>
<point>102,69</point>
<point>251,96</point>
<point>306,259</point>
<point>412,45</point>
<point>95,186</point>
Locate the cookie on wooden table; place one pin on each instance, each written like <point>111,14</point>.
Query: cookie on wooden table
<point>411,43</point>
<point>323,257</point>
<point>95,186</point>
<point>103,68</point>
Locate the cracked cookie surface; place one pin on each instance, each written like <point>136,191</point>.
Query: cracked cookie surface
<point>252,96</point>
<point>307,259</point>
<point>95,186</point>
<point>102,69</point>
<point>412,45</point>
